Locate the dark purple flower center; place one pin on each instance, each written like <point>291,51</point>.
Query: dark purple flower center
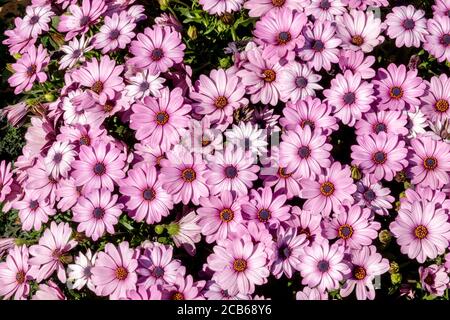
<point>231,172</point>
<point>430,163</point>
<point>318,45</point>
<point>379,157</point>
<point>323,266</point>
<point>283,37</point>
<point>158,272</point>
<point>264,215</point>
<point>34,205</point>
<point>76,53</point>
<point>149,194</point>
<point>327,189</point>
<point>98,213</point>
<point>114,34</point>
<point>34,19</point>
<point>157,54</point>
<point>284,251</point>
<point>99,169</point>
<point>188,175</point>
<point>84,20</point>
<point>226,215</point>
<point>162,117</point>
<point>57,157</point>
<point>144,86</point>
<point>324,4</point>
<point>409,24</point>
<point>396,92</point>
<point>345,231</point>
<point>429,279</point>
<point>349,98</point>
<point>85,140</point>
<point>304,152</point>
<point>359,273</point>
<point>369,195</point>
<point>380,127</point>
<point>448,13</point>
<point>31,70</point>
<point>301,82</point>
<point>445,40</point>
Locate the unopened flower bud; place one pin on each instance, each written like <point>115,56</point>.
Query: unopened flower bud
<point>227,18</point>
<point>356,173</point>
<point>164,4</point>
<point>49,97</point>
<point>159,229</point>
<point>394,267</point>
<point>192,32</point>
<point>396,278</point>
<point>173,229</point>
<point>385,237</point>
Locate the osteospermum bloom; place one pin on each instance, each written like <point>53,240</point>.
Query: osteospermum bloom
<point>309,112</point>
<point>33,210</point>
<point>389,122</point>
<point>157,49</point>
<point>239,265</point>
<point>221,216</point>
<point>325,9</point>
<point>407,26</point>
<point>182,176</point>
<point>353,227</point>
<point>74,52</point>
<point>260,76</point>
<point>371,194</point>
<point>436,102</point>
<point>102,78</point>
<point>218,96</point>
<point>248,138</point>
<point>366,264</point>
<point>117,32</point>
<point>160,121</point>
<point>36,20</point>
<point>357,62</point>
<point>350,97</point>
<point>422,230</point>
<point>329,191</point>
<point>220,6</point>
<point>97,212</point>
<point>434,279</point>
<point>382,155</point>
<point>146,200</point>
<point>49,291</point>
<point>233,170</point>
<point>430,162</point>
<point>441,8</point>
<point>322,265</point>
<point>6,180</point>
<point>417,122</point>
<point>266,207</point>
<point>184,288</point>
<point>186,232</point>
<point>29,68</point>
<point>259,8</point>
<point>289,248</point>
<point>321,46</point>
<point>437,42</point>
<point>48,255</point>
<point>398,87</point>
<point>281,32</point>
<point>99,166</point>
<point>79,273</point>
<point>15,274</point>
<point>59,158</point>
<point>81,18</point>
<point>305,152</point>
<point>114,271</point>
<point>359,30</point>
<point>144,84</point>
<point>297,82</point>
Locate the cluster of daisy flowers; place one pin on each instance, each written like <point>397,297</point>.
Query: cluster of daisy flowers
<point>263,189</point>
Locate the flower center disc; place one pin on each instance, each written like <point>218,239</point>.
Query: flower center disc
<point>441,105</point>
<point>357,40</point>
<point>409,24</point>
<point>20,277</point>
<point>430,163</point>
<point>323,266</point>
<point>327,189</point>
<point>345,231</point>
<point>149,194</point>
<point>177,296</point>
<point>239,265</point>
<point>231,172</point>
<point>264,215</point>
<point>304,152</point>
<point>396,93</point>
<point>359,273</point>
<point>421,232</point>
<point>379,157</point>
<point>99,169</point>
<point>269,75</point>
<point>157,54</point>
<point>226,215</point>
<point>278,3</point>
<point>121,273</point>
<point>221,102</point>
<point>97,87</point>
<point>283,37</point>
<point>188,175</point>
<point>162,118</point>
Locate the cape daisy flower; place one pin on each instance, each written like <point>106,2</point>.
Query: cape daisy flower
<point>357,62</point>
<point>437,42</point>
<point>407,26</point>
<point>372,195</point>
<point>117,32</point>
<point>36,20</point>
<point>34,210</point>
<point>59,158</point>
<point>220,7</point>
<point>325,9</point>
<point>436,102</point>
<point>258,8</point>
<point>391,122</point>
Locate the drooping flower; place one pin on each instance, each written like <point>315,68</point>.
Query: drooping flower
<point>436,102</point>
<point>434,279</point>
<point>437,42</point>
<point>357,62</point>
<point>372,195</point>
<point>16,274</point>
<point>114,271</point>
<point>49,291</point>
<point>117,32</point>
<point>186,232</point>
<point>80,273</point>
<point>48,255</point>
<point>6,180</point>
<point>407,26</point>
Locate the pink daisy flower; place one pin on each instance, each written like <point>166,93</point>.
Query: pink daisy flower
<point>434,279</point>
<point>219,217</point>
<point>74,52</point>
<point>17,40</point>
<point>441,8</point>
<point>157,266</point>
<point>114,272</point>
<point>430,162</point>
<point>357,62</point>
<point>219,7</point>
<point>364,4</point>
<point>36,20</point>
<point>389,122</point>
<point>261,78</point>
<point>330,190</point>
<point>321,47</point>
<point>436,102</point>
<point>259,8</point>
<point>49,254</point>
<point>15,274</point>
<point>322,266</point>
<point>398,88</point>
<point>33,210</point>
<point>215,292</point>
<point>422,229</point>
<point>100,166</point>
<point>353,227</point>
<point>281,32</point>
<point>80,274</point>
<point>218,96</point>
<point>382,155</point>
<point>266,207</point>
<point>6,180</point>
<point>437,42</point>
<point>102,78</point>
<point>233,170</point>
<point>372,195</point>
<point>144,84</point>
<point>239,265</point>
<point>182,176</point>
<point>157,49</point>
<point>325,9</point>
<point>49,291</point>
<point>366,264</point>
<point>59,158</point>
<point>184,288</point>
<point>145,198</point>
<point>160,121</point>
<point>305,152</point>
<point>117,32</point>
<point>407,26</point>
<point>359,30</point>
<point>350,97</point>
<point>297,82</point>
<point>81,18</point>
<point>29,68</point>
<point>309,112</point>
<point>97,212</point>
<point>40,181</point>
<point>186,232</point>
